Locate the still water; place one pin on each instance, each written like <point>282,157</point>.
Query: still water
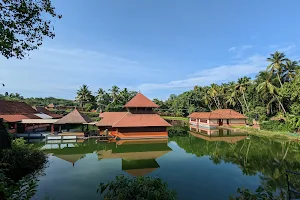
<point>202,165</point>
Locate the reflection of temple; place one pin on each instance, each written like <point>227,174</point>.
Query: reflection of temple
<point>217,134</point>
<point>138,157</point>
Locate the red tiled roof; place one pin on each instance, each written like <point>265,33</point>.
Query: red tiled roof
<point>14,107</point>
<point>13,118</point>
<point>41,109</point>
<point>218,114</point>
<point>110,118</point>
<point>126,119</point>
<point>140,101</point>
<point>141,120</point>
<point>74,117</point>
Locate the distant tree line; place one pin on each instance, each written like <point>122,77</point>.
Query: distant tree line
<point>274,92</point>
<point>112,100</point>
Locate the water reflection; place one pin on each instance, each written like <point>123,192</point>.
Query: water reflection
<point>199,162</point>
<point>217,134</point>
<point>138,157</point>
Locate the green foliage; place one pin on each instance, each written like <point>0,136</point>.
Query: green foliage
<point>274,126</point>
<point>22,159</point>
<point>23,26</point>
<point>140,188</point>
<point>88,107</point>
<point>5,140</point>
<point>259,194</point>
<point>178,131</point>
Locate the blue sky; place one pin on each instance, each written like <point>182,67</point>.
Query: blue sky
<point>157,47</point>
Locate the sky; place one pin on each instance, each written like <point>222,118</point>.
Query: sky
<point>153,46</point>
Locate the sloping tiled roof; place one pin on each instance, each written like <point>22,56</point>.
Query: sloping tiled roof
<point>141,120</point>
<point>140,101</point>
<point>74,117</point>
<point>13,118</point>
<point>14,107</point>
<point>51,105</point>
<point>41,109</point>
<point>218,114</point>
<point>126,119</point>
<point>110,118</point>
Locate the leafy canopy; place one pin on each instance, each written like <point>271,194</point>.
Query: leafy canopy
<point>24,24</point>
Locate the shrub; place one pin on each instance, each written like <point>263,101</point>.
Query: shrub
<point>23,159</point>
<point>260,194</point>
<point>274,126</point>
<point>88,107</point>
<point>139,188</point>
<point>178,131</point>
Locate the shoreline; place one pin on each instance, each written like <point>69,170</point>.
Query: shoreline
<point>265,133</point>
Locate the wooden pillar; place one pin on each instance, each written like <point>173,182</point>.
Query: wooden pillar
<point>52,128</point>
<point>68,127</point>
<point>82,127</point>
<point>16,127</point>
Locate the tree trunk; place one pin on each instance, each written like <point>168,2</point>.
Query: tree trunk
<point>280,104</point>
<point>216,103</point>
<point>245,102</point>
<point>279,79</point>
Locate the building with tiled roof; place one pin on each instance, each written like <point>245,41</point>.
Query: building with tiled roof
<point>13,112</point>
<point>44,110</point>
<point>139,122</point>
<point>220,117</point>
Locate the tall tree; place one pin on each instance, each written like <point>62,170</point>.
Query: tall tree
<point>267,87</point>
<point>241,87</point>
<point>24,24</point>
<point>114,92</point>
<point>277,64</point>
<point>289,70</point>
<point>84,95</point>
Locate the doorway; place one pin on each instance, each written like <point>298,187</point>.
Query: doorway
<point>220,122</point>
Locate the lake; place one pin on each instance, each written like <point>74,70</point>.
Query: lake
<point>202,165</point>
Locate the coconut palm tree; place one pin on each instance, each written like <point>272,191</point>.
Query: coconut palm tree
<point>83,95</point>
<point>241,87</point>
<point>277,64</point>
<point>103,98</point>
<point>266,88</point>
<point>290,70</point>
<point>213,93</point>
<point>114,93</point>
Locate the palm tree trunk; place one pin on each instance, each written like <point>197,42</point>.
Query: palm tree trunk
<point>280,104</point>
<point>245,102</point>
<point>279,79</point>
<point>241,105</point>
<point>216,102</point>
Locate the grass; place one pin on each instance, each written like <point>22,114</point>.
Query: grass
<point>176,118</point>
<point>265,133</point>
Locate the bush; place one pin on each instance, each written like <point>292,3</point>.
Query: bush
<point>139,188</point>
<point>260,194</point>
<point>274,126</point>
<point>23,159</point>
<point>178,131</point>
<point>88,107</point>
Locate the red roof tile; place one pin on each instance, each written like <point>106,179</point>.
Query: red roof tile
<point>141,120</point>
<point>218,114</point>
<point>13,118</point>
<point>74,117</point>
<point>140,101</point>
<point>110,118</point>
<point>41,109</point>
<point>14,107</point>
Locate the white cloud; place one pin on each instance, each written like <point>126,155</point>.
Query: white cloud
<point>218,74</point>
<point>232,49</point>
<point>60,72</point>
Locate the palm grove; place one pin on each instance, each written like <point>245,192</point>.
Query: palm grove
<point>274,92</point>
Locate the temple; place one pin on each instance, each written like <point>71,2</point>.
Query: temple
<point>139,122</point>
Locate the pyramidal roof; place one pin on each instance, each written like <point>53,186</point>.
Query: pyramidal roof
<point>74,117</point>
<point>140,101</point>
